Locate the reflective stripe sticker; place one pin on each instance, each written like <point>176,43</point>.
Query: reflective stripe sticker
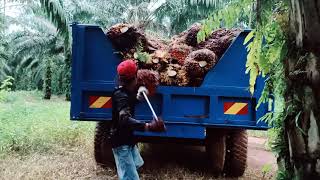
<point>100,102</point>
<point>235,108</point>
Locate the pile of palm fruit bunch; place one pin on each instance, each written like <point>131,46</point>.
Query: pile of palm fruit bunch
<point>182,61</point>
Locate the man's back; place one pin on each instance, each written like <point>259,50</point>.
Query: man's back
<point>123,124</point>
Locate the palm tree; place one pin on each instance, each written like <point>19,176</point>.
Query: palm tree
<point>35,48</point>
<point>3,47</point>
<point>5,69</point>
<point>60,14</point>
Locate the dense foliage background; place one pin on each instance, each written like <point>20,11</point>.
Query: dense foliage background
<point>35,35</point>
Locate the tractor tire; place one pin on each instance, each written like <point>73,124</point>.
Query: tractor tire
<point>216,150</point>
<point>236,156</point>
<point>102,147</point>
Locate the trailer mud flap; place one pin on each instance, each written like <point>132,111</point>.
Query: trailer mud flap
<point>178,131</point>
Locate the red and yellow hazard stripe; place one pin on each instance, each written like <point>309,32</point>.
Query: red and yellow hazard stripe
<point>100,102</point>
<point>235,108</point>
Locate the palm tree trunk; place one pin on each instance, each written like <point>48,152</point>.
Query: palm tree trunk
<point>303,94</point>
<point>67,79</point>
<point>47,80</point>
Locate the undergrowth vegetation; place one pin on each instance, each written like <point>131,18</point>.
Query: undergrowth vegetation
<point>29,124</point>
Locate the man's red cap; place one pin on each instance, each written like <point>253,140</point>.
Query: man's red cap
<point>127,69</point>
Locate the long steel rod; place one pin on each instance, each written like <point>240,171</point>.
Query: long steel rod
<point>150,106</point>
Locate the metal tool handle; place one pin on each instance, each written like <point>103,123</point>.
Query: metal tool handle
<point>150,106</point>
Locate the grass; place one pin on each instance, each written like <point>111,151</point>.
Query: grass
<point>270,135</point>
<point>258,133</point>
<point>29,124</point>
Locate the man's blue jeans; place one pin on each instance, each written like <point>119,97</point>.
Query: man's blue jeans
<point>128,160</point>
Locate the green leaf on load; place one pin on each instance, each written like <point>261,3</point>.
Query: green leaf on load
<point>201,36</point>
<point>142,56</point>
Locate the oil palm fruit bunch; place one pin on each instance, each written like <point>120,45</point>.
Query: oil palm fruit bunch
<point>219,40</point>
<point>149,79</point>
<point>182,61</point>
<point>199,62</point>
<point>179,52</point>
<point>191,36</point>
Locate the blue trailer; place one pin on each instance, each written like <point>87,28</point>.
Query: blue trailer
<point>216,114</point>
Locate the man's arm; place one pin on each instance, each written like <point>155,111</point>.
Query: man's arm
<point>125,118</point>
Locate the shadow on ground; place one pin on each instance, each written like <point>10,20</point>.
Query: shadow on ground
<point>191,162</point>
<point>157,156</point>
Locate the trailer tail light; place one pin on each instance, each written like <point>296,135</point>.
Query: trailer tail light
<point>235,108</point>
<point>100,102</point>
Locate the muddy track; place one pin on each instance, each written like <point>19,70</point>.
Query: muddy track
<point>258,156</point>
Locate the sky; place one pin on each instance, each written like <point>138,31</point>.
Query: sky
<point>156,4</point>
<point>13,9</point>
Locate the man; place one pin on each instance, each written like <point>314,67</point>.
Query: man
<point>126,153</point>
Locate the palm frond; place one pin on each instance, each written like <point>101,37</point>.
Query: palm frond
<point>43,25</point>
<point>32,45</point>
<point>26,61</point>
<point>33,65</point>
<point>180,14</point>
<point>57,16</point>
<point>5,70</point>
<point>208,3</point>
<point>83,11</point>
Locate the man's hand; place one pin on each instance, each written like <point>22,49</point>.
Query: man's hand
<point>142,89</point>
<point>156,126</point>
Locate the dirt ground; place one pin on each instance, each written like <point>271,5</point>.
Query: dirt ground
<point>168,163</point>
<point>258,156</point>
